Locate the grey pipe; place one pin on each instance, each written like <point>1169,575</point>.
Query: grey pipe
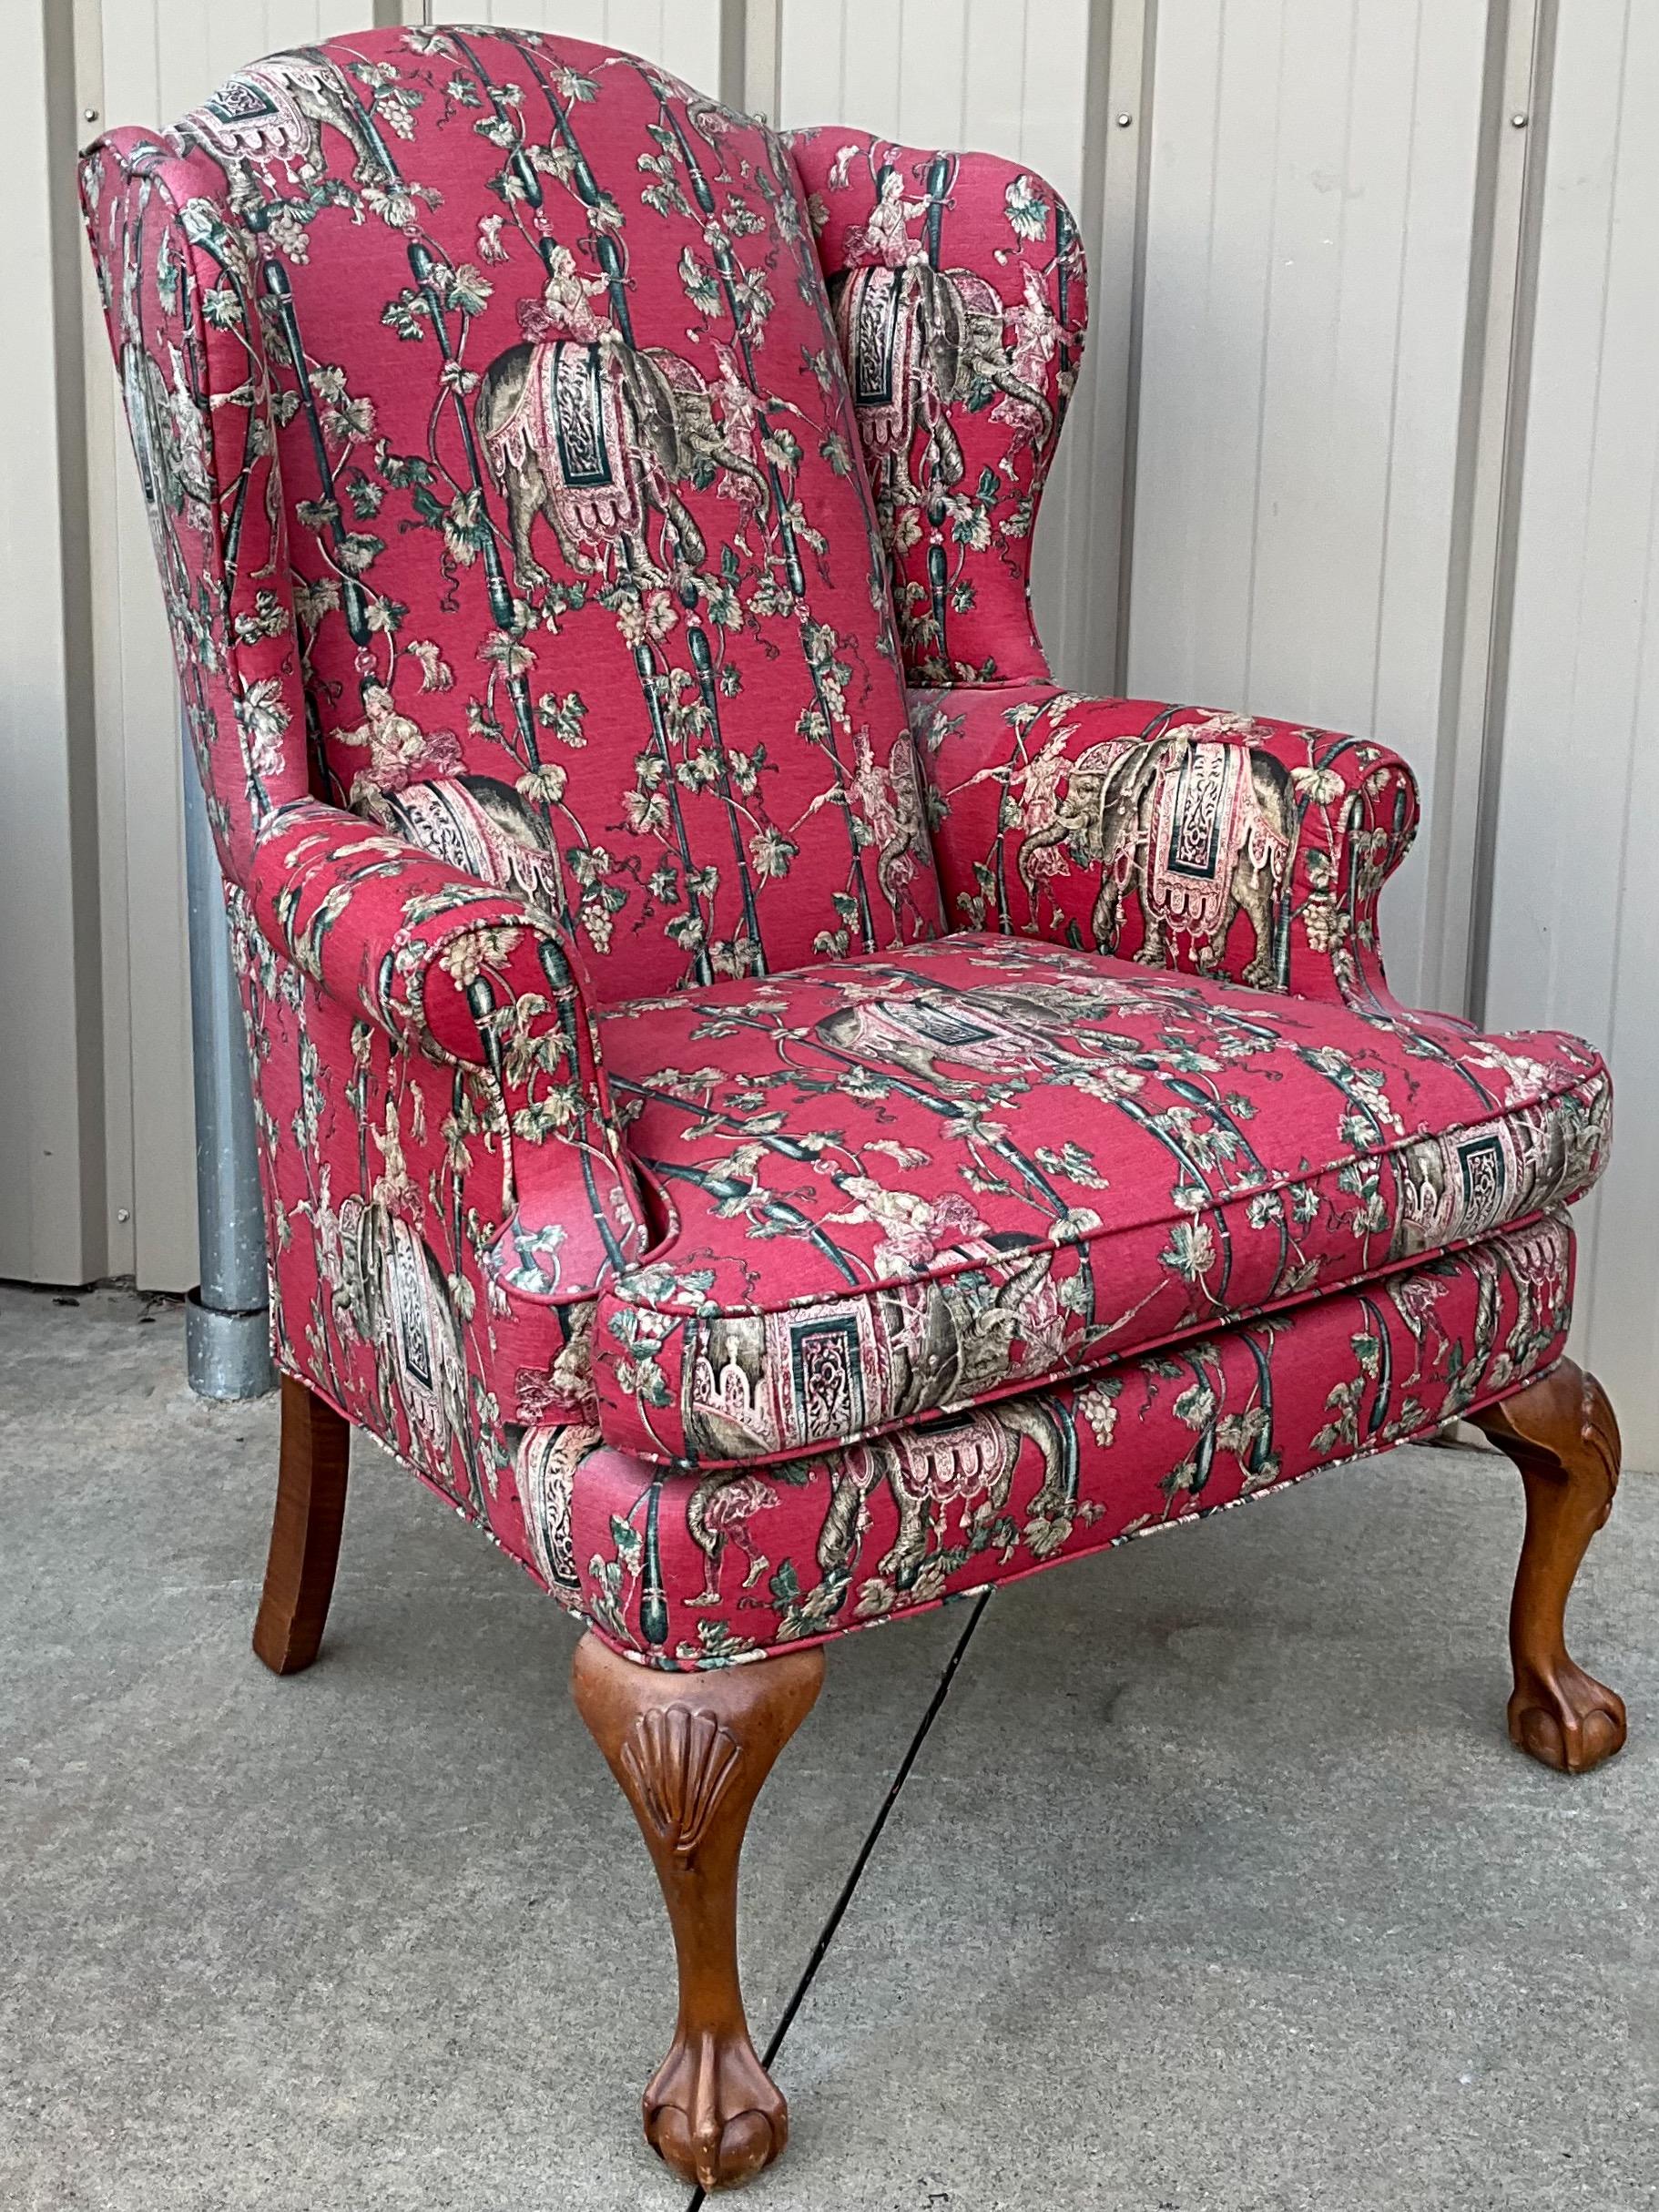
<point>227,1318</point>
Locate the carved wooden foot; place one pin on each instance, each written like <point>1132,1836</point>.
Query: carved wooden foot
<point>305,1534</point>
<point>1562,1434</point>
<point>691,1752</point>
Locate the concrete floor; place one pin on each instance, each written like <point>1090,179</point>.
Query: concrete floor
<point>1215,1883</point>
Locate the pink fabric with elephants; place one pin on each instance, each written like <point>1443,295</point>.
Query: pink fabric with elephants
<point>1222,844</point>
<point>961,298</point>
<point>689,1570</point>
<point>921,1183</point>
<point>569,482</point>
<point>534,639</point>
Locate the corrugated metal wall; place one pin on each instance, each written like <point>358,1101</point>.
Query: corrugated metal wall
<point>1573,934</point>
<point>1311,223</point>
<point>1366,437</point>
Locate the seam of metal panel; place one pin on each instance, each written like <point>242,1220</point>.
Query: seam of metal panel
<point>64,53</point>
<point>105,456</point>
<point>1452,828</point>
<point>750,49</point>
<point>87,1238</point>
<point>1394,379</point>
<point>1145,34</point>
<point>1592,1281</point>
<point>1591,1277</point>
<point>1505,425</point>
<point>1246,685</point>
<point>732,45</point>
<point>1086,454</point>
<point>1081,611</point>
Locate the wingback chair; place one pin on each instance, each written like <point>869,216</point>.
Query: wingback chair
<point>781,1114</point>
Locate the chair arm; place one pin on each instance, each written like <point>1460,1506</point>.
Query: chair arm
<point>466,972</point>
<point>1219,844</point>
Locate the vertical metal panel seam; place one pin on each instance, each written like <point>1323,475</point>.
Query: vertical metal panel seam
<point>1473,547</point>
<point>732,40</point>
<point>1261,371</point>
<point>1400,316</point>
<point>1501,627</point>
<point>1594,1276</point>
<point>103,456</point>
<point>75,590</point>
<point>961,82</point>
<point>1137,321</point>
<point>1022,108</point>
<point>1085,528</point>
<point>1067,639</point>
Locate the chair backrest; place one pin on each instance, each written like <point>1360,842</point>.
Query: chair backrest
<point>961,299</point>
<point>566,497</point>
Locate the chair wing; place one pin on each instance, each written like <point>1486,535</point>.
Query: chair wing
<point>961,297</point>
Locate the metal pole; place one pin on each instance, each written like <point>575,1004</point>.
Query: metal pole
<point>226,1317</point>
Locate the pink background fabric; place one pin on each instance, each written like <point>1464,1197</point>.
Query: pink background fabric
<point>959,440</point>
<point>566,819</point>
<point>910,1184</point>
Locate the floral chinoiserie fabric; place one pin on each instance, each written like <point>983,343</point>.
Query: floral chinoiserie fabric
<point>525,404</point>
<point>643,1162</point>
<point>961,298</point>
<point>689,1570</point>
<point>920,1183</point>
<point>458,966</point>
<point>1223,843</point>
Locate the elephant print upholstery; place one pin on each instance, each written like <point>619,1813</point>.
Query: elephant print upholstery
<point>621,411</point>
<point>1293,1147</point>
<point>275,114</point>
<point>1221,844</point>
<point>590,433</point>
<point>1202,831</point>
<point>961,299</point>
<point>778,1110</point>
<point>394,1294</point>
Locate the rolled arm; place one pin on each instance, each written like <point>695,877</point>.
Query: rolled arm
<point>465,972</point>
<point>1218,844</point>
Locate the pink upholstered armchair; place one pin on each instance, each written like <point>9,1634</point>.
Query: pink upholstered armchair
<point>775,1110</point>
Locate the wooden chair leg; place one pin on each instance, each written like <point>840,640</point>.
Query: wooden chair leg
<point>1562,1434</point>
<point>305,1533</point>
<point>691,1752</point>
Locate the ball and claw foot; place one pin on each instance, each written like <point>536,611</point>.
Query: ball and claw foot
<point>1562,1434</point>
<point>1570,1723</point>
<point>712,2113</point>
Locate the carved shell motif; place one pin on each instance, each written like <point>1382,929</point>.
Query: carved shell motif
<point>678,1764</point>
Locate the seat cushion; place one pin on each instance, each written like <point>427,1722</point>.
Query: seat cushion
<point>899,1186</point>
<point>702,1569</point>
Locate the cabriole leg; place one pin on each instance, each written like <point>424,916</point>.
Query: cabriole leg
<point>305,1533</point>
<point>1562,1434</point>
<point>691,1752</point>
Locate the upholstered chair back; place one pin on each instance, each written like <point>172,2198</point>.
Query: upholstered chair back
<point>495,376</point>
